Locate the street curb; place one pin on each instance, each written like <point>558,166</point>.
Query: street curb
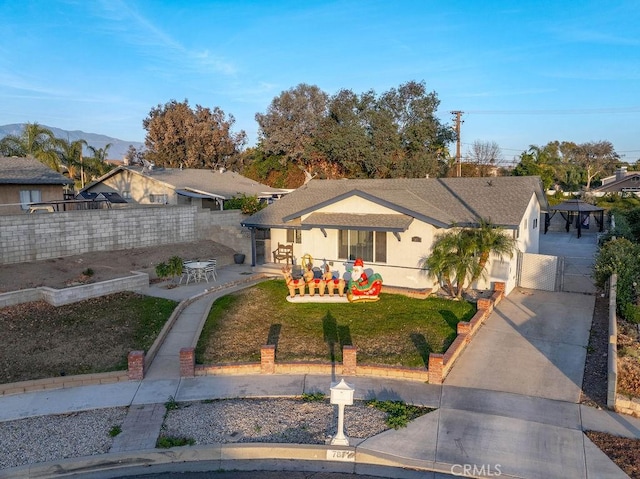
<point>246,456</point>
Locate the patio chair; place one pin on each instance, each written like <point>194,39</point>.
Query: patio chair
<point>187,273</point>
<point>211,270</point>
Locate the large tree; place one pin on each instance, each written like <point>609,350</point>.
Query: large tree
<point>395,134</point>
<point>291,123</point>
<point>569,164</point>
<point>35,141</point>
<point>485,156</point>
<point>178,135</point>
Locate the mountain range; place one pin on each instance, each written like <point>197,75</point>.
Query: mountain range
<point>117,150</point>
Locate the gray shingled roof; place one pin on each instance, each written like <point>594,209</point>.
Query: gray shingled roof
<point>438,201</point>
<point>29,171</point>
<point>226,185</point>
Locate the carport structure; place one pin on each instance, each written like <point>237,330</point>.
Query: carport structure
<point>578,212</point>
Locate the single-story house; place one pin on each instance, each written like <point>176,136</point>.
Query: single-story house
<point>177,186</point>
<point>24,181</point>
<point>392,223</point>
<point>622,182</point>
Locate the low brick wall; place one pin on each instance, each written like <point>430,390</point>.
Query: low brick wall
<point>269,365</point>
<point>440,364</point>
<point>63,382</point>
<point>59,297</point>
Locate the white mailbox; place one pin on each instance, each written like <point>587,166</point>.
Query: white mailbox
<point>342,393</point>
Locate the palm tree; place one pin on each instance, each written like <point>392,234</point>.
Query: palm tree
<point>459,256</point>
<point>491,239</point>
<point>70,153</point>
<point>453,260</point>
<point>35,141</point>
<point>97,165</point>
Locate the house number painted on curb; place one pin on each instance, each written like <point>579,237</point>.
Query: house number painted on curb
<point>341,455</point>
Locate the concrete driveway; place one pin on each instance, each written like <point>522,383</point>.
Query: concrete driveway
<point>533,344</point>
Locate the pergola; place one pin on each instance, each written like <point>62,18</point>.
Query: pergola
<point>578,212</point>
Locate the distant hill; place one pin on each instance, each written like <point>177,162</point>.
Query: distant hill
<point>117,150</point>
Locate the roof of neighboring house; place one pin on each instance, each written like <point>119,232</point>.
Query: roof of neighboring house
<point>630,181</point>
<point>210,183</point>
<point>29,171</point>
<point>438,201</point>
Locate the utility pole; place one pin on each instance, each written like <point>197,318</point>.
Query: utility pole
<point>458,114</point>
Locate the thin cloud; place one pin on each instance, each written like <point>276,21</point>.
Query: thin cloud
<point>153,41</point>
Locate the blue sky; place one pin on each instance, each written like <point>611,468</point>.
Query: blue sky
<point>524,72</point>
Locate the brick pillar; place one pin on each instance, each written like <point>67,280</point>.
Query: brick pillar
<point>187,362</point>
<point>135,368</point>
<point>463,327</point>
<point>436,366</point>
<point>500,286</point>
<point>349,361</point>
<point>484,303</point>
<point>268,359</point>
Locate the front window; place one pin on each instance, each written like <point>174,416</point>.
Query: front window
<point>159,198</point>
<point>294,236</point>
<point>368,245</point>
<point>29,196</point>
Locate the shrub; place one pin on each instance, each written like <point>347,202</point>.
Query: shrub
<point>631,313</point>
<point>162,270</point>
<point>398,413</point>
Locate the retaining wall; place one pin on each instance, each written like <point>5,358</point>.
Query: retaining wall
<point>58,297</point>
<point>26,238</point>
<point>616,401</point>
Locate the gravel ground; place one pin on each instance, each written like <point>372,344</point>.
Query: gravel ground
<point>270,420</point>
<point>49,438</point>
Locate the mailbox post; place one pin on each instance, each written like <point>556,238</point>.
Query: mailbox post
<point>342,395</point>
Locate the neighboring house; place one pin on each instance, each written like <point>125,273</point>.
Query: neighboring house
<point>622,182</point>
<point>175,186</point>
<point>391,224</point>
<point>24,181</point>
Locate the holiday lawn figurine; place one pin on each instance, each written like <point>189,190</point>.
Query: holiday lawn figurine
<point>293,284</point>
<point>362,287</point>
<point>333,284</point>
<point>314,283</point>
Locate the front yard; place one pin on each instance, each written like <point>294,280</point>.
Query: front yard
<point>396,330</point>
<point>41,341</point>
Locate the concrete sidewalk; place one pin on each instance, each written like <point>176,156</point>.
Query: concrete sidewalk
<point>527,431</point>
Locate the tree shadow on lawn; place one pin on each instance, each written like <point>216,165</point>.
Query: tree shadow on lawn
<point>335,335</point>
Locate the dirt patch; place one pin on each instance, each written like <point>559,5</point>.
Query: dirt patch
<point>39,340</point>
<point>594,383</point>
<point>628,358</point>
<point>621,450</point>
<point>105,265</point>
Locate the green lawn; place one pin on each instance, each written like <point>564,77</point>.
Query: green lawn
<point>396,330</point>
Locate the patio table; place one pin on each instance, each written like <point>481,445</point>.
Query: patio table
<point>197,270</point>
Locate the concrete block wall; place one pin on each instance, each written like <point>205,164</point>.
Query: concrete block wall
<point>224,227</point>
<point>38,237</point>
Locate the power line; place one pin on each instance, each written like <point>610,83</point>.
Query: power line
<point>574,111</point>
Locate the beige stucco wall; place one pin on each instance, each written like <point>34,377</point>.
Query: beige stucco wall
<point>10,196</point>
<point>139,187</point>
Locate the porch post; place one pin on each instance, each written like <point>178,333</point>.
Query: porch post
<point>253,247</point>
